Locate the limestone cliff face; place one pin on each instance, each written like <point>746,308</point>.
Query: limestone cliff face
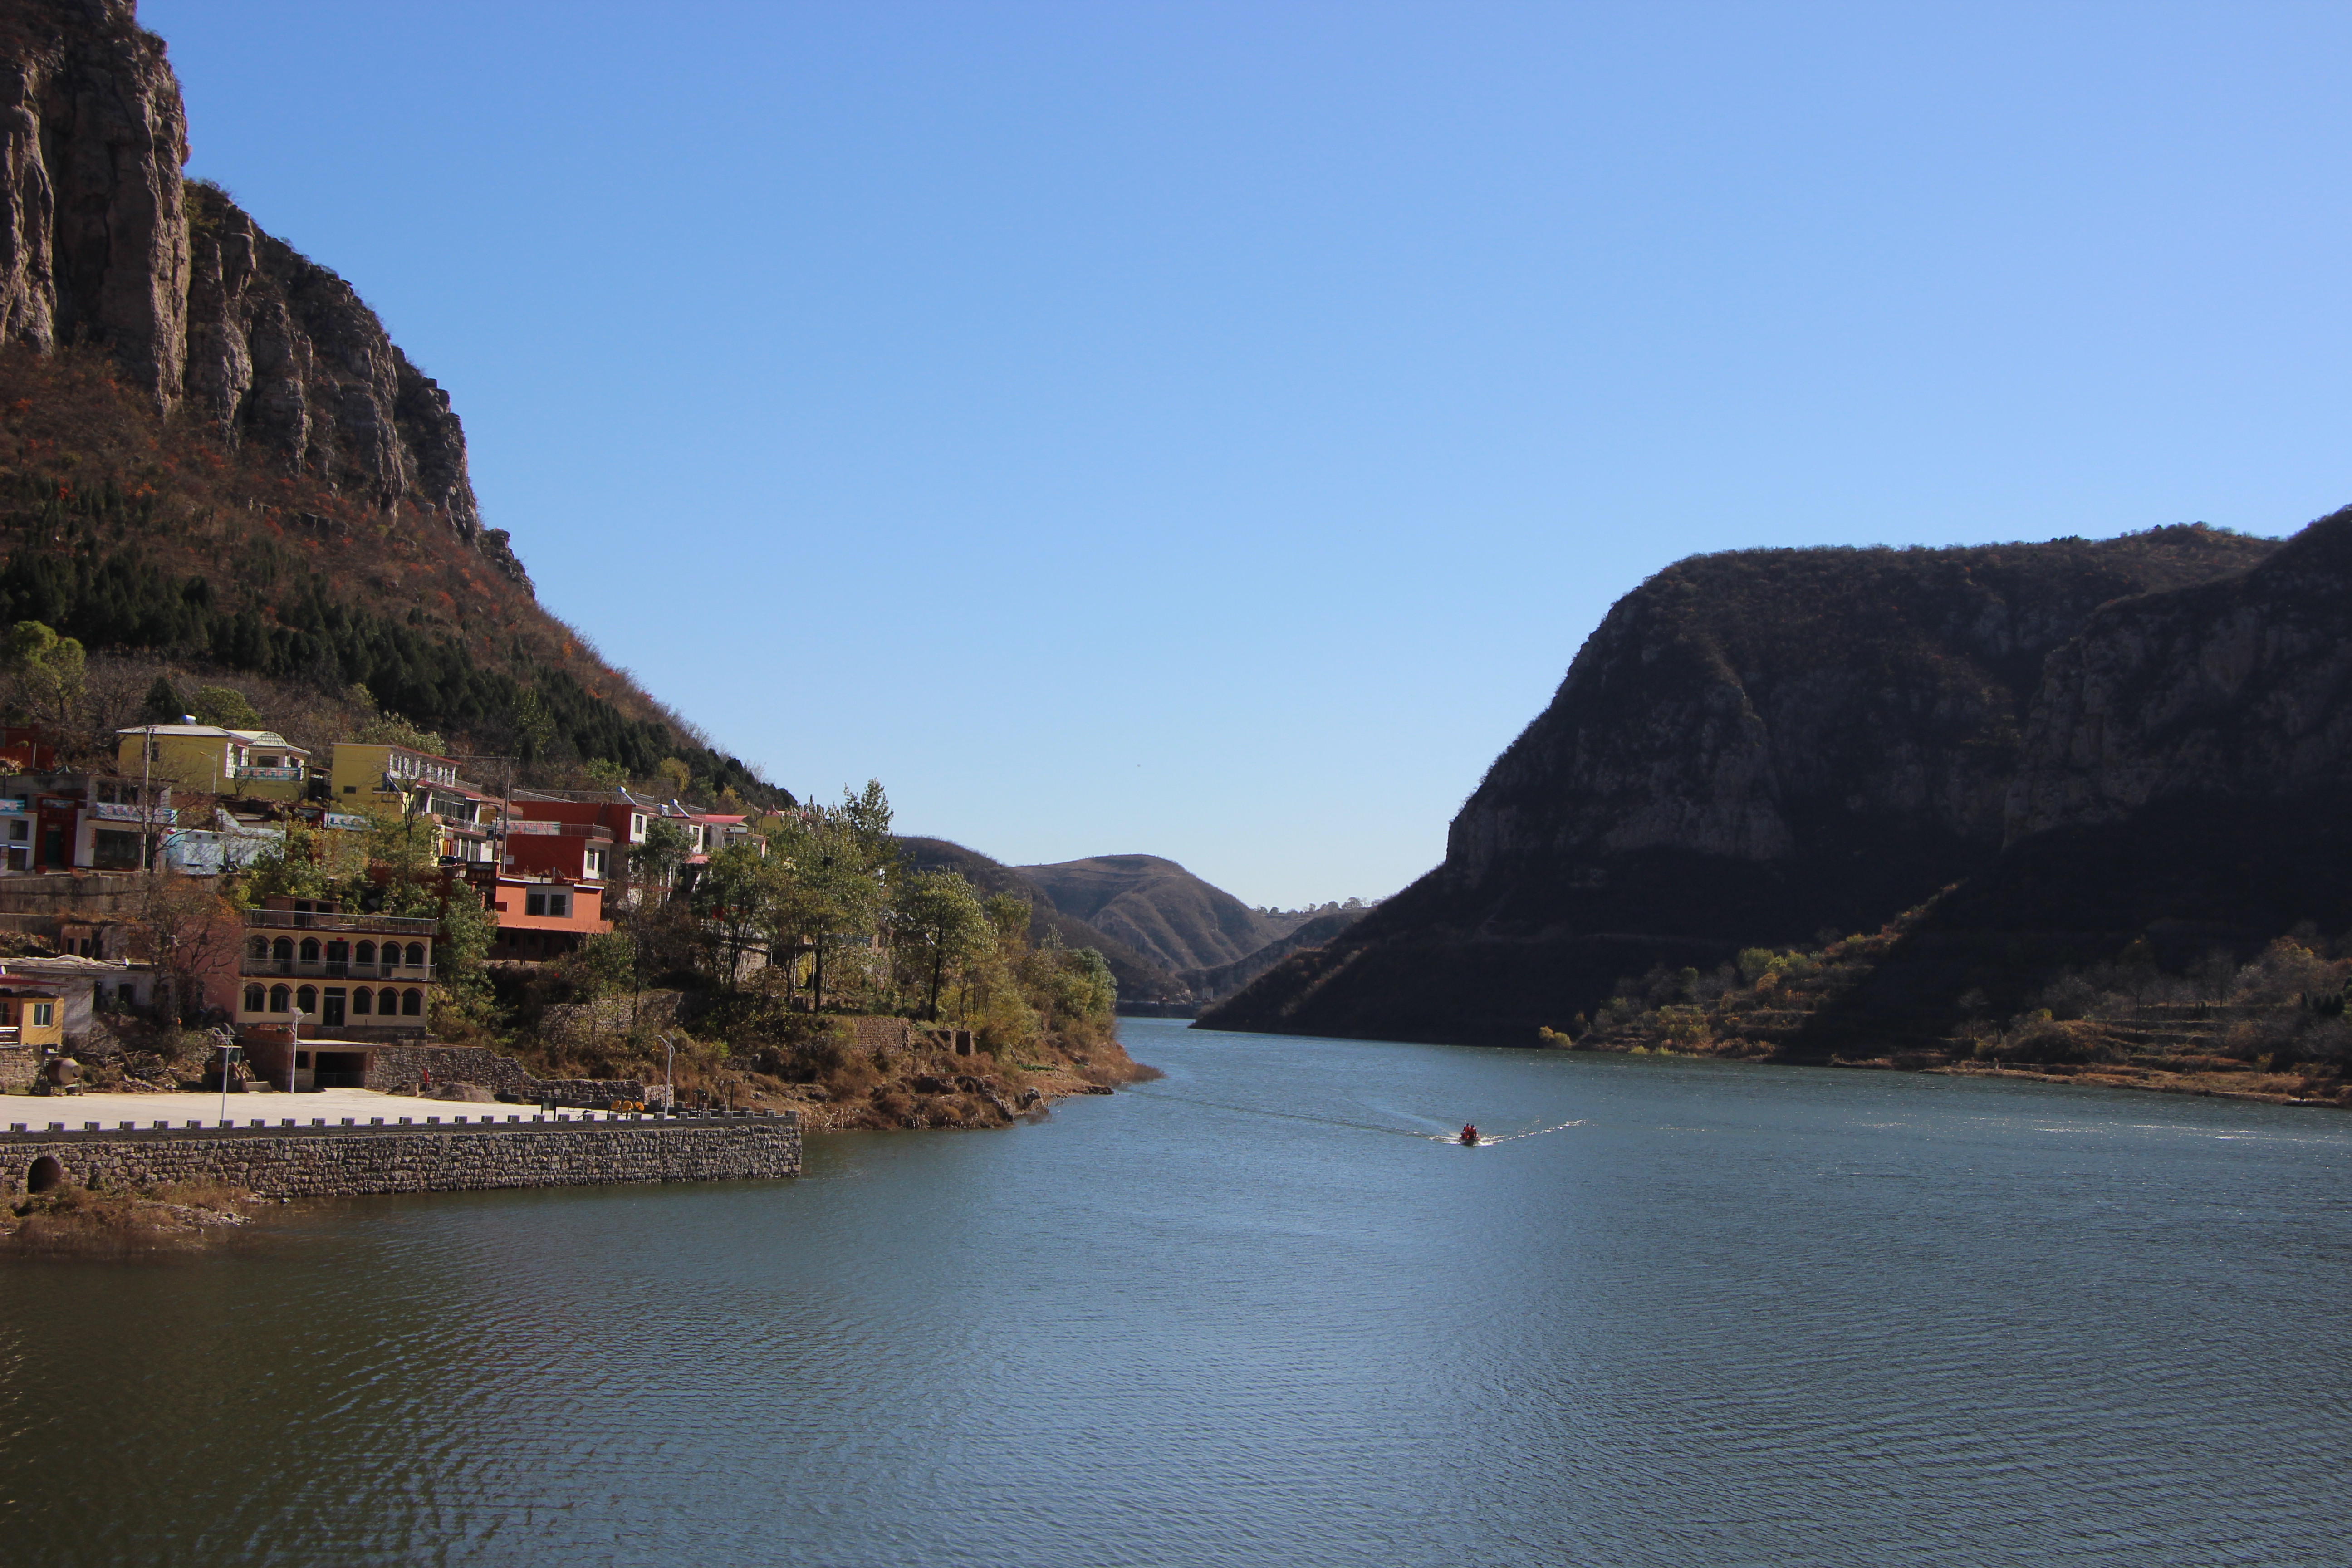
<point>2241,689</point>
<point>1762,706</point>
<point>93,241</point>
<point>102,243</point>
<point>1752,746</point>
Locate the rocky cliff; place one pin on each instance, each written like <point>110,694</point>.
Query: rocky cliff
<point>1752,748</point>
<point>103,243</point>
<point>2240,689</point>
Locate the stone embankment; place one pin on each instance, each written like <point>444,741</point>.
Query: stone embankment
<point>287,1161</point>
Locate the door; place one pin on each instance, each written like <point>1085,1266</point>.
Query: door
<point>331,1015</point>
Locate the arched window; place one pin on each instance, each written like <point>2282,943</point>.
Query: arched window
<point>412,1004</point>
<point>416,955</point>
<point>284,950</point>
<point>255,999</point>
<point>278,998</point>
<point>387,1000</point>
<point>257,950</point>
<point>366,953</point>
<point>306,999</point>
<point>362,1002</point>
<point>339,952</point>
<point>310,950</point>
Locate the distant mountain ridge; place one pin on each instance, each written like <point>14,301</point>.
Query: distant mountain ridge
<point>1158,908</point>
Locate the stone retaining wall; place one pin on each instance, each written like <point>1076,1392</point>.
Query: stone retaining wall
<point>399,1069</point>
<point>342,1162</point>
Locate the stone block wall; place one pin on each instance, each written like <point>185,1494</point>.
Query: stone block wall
<point>19,1067</point>
<point>398,1070</point>
<point>344,1161</point>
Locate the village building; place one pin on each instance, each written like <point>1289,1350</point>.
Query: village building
<point>32,1026</point>
<point>540,916</point>
<point>81,821</point>
<point>261,764</point>
<point>87,987</point>
<point>339,970</point>
<point>379,774</point>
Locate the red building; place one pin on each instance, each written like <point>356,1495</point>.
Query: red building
<point>540,917</point>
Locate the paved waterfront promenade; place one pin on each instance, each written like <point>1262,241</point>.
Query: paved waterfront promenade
<point>144,1111</point>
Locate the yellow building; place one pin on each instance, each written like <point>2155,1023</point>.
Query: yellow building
<point>261,764</point>
<point>31,1015</point>
<point>385,774</point>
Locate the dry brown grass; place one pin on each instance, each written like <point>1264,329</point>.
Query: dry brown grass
<point>74,1219</point>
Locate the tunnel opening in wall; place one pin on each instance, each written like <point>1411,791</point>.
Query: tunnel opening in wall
<point>46,1174</point>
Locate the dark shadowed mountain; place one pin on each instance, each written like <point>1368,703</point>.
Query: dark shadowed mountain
<point>1758,746</point>
<point>1225,980</point>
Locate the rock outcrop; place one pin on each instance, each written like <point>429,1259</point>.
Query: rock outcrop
<point>93,240</point>
<point>104,244</point>
<point>1752,748</point>
<point>2240,689</point>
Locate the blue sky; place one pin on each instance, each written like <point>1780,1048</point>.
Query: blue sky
<point>1210,430</point>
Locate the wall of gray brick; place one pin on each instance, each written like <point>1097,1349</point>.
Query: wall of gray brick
<point>479,1154</point>
<point>399,1069</point>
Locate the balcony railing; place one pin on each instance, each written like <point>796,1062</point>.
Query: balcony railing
<point>297,919</point>
<point>329,969</point>
<point>293,775</point>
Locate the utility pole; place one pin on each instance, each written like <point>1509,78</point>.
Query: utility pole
<point>147,812</point>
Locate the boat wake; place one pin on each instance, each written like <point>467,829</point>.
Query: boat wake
<point>1486,1140</point>
<point>1453,1140</point>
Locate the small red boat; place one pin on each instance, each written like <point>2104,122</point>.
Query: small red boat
<point>1469,1135</point>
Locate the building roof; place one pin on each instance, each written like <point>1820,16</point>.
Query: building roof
<point>270,737</point>
<point>396,746</point>
<point>63,965</point>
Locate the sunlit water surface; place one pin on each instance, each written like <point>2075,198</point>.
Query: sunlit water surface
<point>1735,1315</point>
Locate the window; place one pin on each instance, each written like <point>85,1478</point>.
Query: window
<point>115,851</point>
<point>362,1002</point>
<point>306,999</point>
<point>258,948</point>
<point>534,903</point>
<point>387,1000</point>
<point>412,1004</point>
<point>416,955</point>
<point>19,831</point>
<point>309,952</point>
<point>279,998</point>
<point>636,829</point>
<point>339,952</point>
<point>595,859</point>
<point>366,953</point>
<point>351,789</point>
<point>255,999</point>
<point>284,951</point>
<point>44,1015</point>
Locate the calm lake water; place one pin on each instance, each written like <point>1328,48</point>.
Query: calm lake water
<point>1734,1315</point>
